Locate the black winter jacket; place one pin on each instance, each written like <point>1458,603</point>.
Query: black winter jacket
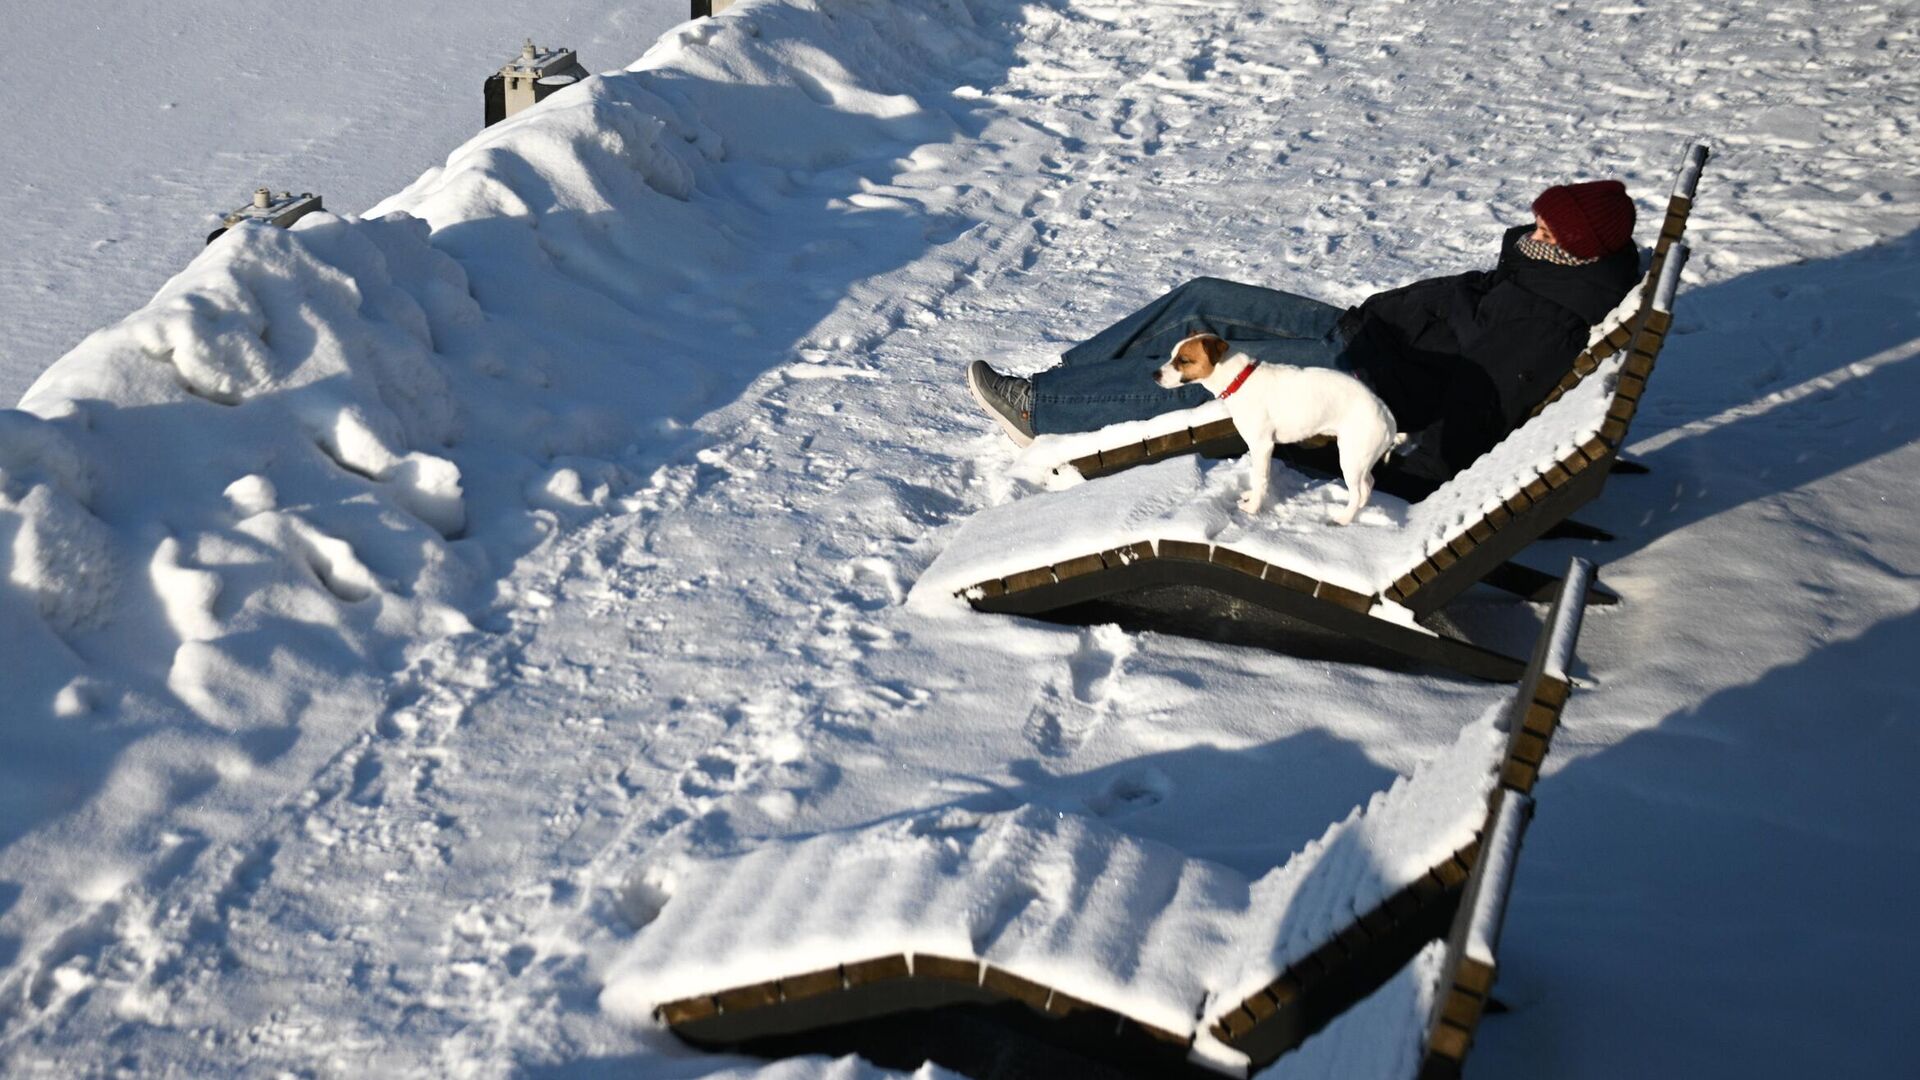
<point>1462,360</point>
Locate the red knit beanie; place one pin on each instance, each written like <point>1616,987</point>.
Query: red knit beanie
<point>1588,220</point>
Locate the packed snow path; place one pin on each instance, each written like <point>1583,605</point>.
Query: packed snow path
<point>701,645</point>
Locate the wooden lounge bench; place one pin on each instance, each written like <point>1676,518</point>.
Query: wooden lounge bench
<point>1456,893</point>
<point>1218,438</point>
<point>1314,937</point>
<point>1220,582</point>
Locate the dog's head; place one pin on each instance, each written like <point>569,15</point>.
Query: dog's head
<point>1192,360</point>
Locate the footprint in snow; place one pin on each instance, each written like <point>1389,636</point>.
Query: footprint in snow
<point>1131,793</point>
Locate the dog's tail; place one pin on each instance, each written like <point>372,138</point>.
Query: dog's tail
<point>1393,445</point>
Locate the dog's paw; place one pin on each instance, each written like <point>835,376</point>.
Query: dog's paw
<point>1250,502</point>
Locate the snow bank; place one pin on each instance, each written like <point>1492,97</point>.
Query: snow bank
<point>1065,901</point>
<point>316,450</point>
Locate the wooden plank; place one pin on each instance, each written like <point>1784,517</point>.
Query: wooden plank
<point>1219,429</point>
<point>1168,445</point>
<point>1124,556</point>
<point>946,969</point>
<point>1185,550</point>
<point>1346,598</point>
<point>1121,457</point>
<point>1473,976</point>
<point>1518,776</point>
<point>1234,560</point>
<point>742,998</point>
<point>1014,986</point>
<point>1060,1004</point>
<point>688,1009</point>
<point>1555,476</point>
<point>1449,1041</point>
<point>1288,579</point>
<point>1029,579</point>
<point>1443,558</point>
<point>1462,544</point>
<point>1537,488</point>
<point>1552,691</point>
<point>875,970</point>
<point>1088,466</point>
<point>1073,568</point>
<point>810,984</point>
<point>987,589</point>
<point>1462,1009</point>
<point>1529,748</point>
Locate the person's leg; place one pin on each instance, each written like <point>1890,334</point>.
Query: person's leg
<point>1108,378</point>
<point>1228,309</point>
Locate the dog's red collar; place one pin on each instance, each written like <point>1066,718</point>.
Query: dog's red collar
<point>1238,379</point>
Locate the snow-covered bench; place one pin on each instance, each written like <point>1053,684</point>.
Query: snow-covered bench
<point>1422,1022</point>
<point>1163,536</point>
<point>1207,431</point>
<point>1140,957</point>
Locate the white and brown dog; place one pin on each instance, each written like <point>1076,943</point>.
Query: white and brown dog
<point>1280,403</point>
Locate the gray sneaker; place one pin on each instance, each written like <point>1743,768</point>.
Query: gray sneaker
<point>1006,398</point>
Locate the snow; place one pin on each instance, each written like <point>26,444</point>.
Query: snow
<point>1564,634</point>
<point>1501,852</point>
<point>320,757</point>
<point>1064,900</point>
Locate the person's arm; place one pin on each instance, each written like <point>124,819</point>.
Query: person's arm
<point>1523,358</point>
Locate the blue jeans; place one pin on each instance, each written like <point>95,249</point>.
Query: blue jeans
<point>1108,378</point>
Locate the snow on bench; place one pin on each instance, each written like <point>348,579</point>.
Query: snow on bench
<point>1309,993</point>
<point>1175,523</point>
<point>1421,1023</point>
<point>1077,920</point>
<point>1062,912</point>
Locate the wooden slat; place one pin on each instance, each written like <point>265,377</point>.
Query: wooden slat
<point>946,969</point>
<point>1121,457</point>
<point>1029,579</point>
<point>687,1010</point>
<point>1219,429</point>
<point>742,998</point>
<point>1016,987</point>
<point>875,970</point>
<point>1073,568</point>
<point>1289,579</point>
<point>1185,550</point>
<point>1234,560</point>
<point>810,984</point>
<point>1168,445</point>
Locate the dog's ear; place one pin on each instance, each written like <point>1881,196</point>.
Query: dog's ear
<point>1215,348</point>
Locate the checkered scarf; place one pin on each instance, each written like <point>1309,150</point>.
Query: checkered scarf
<point>1553,253</point>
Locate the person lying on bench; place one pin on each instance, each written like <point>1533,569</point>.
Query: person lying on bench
<point>1460,360</point>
